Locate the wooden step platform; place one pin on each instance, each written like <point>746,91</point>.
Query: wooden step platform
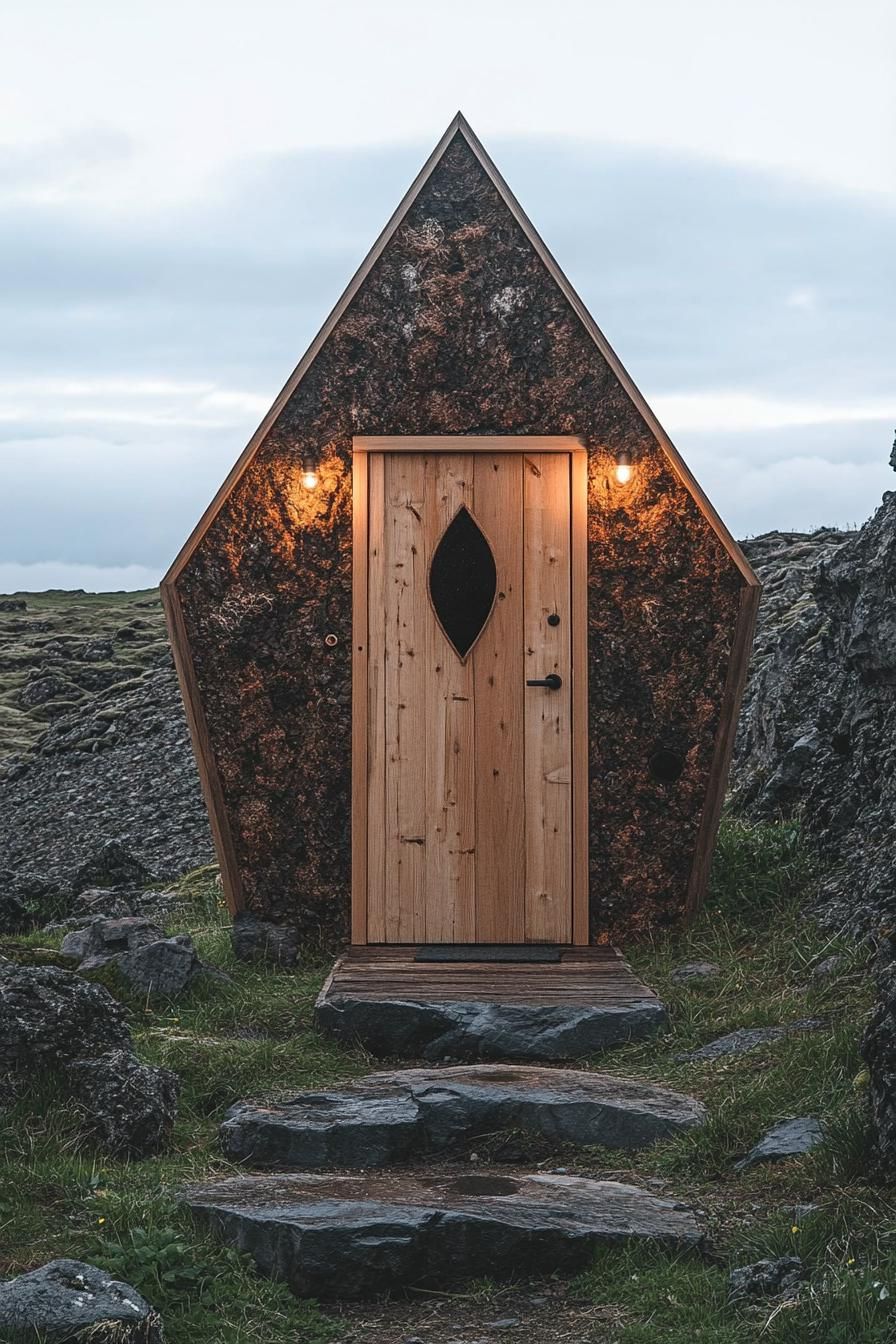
<point>394,1005</point>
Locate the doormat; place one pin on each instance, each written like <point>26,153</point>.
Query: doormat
<point>487,952</point>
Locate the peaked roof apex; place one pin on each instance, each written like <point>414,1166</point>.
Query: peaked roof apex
<point>459,124</point>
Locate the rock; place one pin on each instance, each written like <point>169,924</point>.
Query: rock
<point>258,940</point>
<point>781,1279</point>
<point>744,1039</point>
<point>694,970</point>
<point>50,1016</point>
<point>791,1138</point>
<point>817,735</point>
<point>97,651</point>
<point>466,1029</point>
<point>46,896</point>
<point>107,937</point>
<point>359,1236</point>
<point>53,1019</point>
<point>401,1116</point>
<point>13,604</point>
<point>879,1053</point>
<point>14,918</point>
<point>130,1107</point>
<point>43,687</point>
<point>110,865</point>
<point>67,1300</point>
<point>825,970</point>
<point>148,961</point>
<point>167,967</point>
<point>110,902</point>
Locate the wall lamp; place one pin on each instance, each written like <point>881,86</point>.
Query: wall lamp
<point>623,466</point>
<point>310,472</point>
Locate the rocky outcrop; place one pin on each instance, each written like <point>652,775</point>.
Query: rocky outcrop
<point>362,1236</point>
<point>818,729</point>
<point>401,1116</point>
<point>879,1051</point>
<point>68,1301</point>
<point>54,1021</point>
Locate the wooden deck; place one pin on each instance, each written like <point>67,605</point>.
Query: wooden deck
<point>584,976</point>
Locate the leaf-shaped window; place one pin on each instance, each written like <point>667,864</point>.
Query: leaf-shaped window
<point>463,581</point>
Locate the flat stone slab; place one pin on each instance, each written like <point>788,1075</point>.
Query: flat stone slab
<point>410,1113</point>
<point>745,1039</point>
<point>791,1138</point>
<point>391,1004</point>
<point>470,1030</point>
<point>361,1236</point>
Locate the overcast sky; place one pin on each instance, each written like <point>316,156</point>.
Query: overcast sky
<point>186,187</point>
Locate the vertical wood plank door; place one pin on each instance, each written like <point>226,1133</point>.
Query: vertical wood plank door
<point>469,781</point>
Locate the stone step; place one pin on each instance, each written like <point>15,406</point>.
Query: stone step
<point>397,1117</point>
<point>353,1236</point>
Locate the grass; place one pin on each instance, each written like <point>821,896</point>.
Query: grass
<point>124,1215</point>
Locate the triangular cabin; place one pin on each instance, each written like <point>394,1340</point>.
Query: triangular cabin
<point>461,640</point>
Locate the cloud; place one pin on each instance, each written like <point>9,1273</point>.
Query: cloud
<point>141,347</point>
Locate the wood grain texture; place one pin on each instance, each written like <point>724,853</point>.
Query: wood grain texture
<point>578,466</point>
<point>584,975</point>
<point>360,659</point>
<point>548,714</point>
<point>447,739</point>
<point>499,674</point>
<point>374,780</point>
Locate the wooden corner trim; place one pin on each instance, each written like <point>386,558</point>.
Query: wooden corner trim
<point>209,778</point>
<point>735,680</point>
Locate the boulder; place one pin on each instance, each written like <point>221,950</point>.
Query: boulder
<point>780,1279</point>
<point>108,937</point>
<point>361,1236</point>
<point>167,967</point>
<point>130,1107</point>
<point>49,1017</point>
<point>53,1019</point>
<point>258,940</point>
<point>404,1115</point>
<point>68,1301</point>
<point>148,962</point>
<point>791,1138</point>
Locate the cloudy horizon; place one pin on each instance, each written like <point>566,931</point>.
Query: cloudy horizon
<point>745,278</point>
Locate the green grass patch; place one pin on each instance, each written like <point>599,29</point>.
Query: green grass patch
<point>254,1035</point>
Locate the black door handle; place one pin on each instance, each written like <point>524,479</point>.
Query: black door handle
<point>552,681</point>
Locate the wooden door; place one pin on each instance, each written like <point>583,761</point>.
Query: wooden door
<point>469,770</point>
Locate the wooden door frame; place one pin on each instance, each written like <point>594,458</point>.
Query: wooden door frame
<point>476,443</point>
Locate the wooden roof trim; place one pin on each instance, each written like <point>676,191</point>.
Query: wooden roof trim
<point>460,124</point>
<point>677,462</point>
<point>298,373</point>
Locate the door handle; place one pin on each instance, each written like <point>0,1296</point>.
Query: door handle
<point>551,681</point>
